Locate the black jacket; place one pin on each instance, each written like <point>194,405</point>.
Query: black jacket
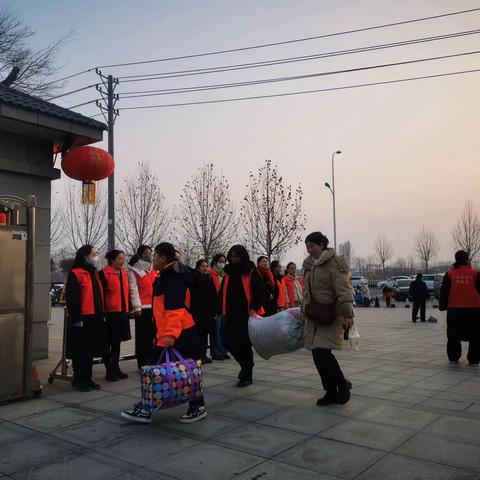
<point>204,297</point>
<point>419,291</point>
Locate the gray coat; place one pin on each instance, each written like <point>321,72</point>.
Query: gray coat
<point>327,280</point>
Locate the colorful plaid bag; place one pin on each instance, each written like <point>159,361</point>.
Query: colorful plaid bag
<point>172,383</point>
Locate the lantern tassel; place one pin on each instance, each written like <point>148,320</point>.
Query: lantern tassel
<point>89,196</point>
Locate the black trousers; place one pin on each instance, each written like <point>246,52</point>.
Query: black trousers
<point>419,306</point>
<point>237,341</point>
<point>145,332</point>
<point>82,370</point>
<point>454,350</point>
<point>329,370</point>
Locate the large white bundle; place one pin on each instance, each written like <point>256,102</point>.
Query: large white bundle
<point>280,333</point>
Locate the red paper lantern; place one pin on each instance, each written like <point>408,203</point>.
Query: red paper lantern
<point>88,164</point>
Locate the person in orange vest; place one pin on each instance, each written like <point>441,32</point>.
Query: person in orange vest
<point>86,319</point>
<point>276,269</point>
<point>140,283</point>
<point>175,325</point>
<point>241,296</point>
<point>460,297</point>
<point>293,286</point>
<point>115,287</point>
<point>269,285</point>
<point>217,272</point>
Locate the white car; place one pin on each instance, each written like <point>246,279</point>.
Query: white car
<point>391,282</point>
<point>358,281</point>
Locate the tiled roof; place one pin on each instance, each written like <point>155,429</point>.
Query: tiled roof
<point>33,104</point>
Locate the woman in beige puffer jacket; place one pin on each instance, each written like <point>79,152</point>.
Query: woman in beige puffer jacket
<point>326,278</point>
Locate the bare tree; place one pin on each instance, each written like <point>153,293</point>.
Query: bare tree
<point>142,216</point>
<point>27,68</point>
<point>383,250</point>
<point>426,246</point>
<point>272,213</point>
<point>466,233</point>
<point>206,216</point>
<point>345,249</point>
<point>83,224</point>
<point>57,229</point>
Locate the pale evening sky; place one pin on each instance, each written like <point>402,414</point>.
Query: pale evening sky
<point>409,150</point>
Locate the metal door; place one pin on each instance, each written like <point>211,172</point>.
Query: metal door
<point>13,250</point>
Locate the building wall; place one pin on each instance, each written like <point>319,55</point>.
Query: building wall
<point>26,169</point>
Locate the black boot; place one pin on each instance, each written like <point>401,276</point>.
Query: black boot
<point>244,378</point>
<point>111,375</point>
<point>328,399</point>
<point>120,375</point>
<point>343,395</point>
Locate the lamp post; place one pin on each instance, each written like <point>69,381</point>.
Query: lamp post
<point>332,189</point>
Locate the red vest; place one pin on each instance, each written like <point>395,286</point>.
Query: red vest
<point>216,278</point>
<point>145,286</point>
<point>282,297</point>
<point>463,291</point>
<point>86,290</point>
<point>247,287</point>
<point>113,296</point>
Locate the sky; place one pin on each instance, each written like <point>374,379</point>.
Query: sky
<point>409,150</point>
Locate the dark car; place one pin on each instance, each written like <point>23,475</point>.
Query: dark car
<point>56,293</point>
<point>401,289</point>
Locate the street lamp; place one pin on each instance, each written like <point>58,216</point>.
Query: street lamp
<point>332,189</point>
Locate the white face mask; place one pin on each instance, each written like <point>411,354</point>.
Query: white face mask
<point>145,265</point>
<point>221,265</point>
<point>93,261</point>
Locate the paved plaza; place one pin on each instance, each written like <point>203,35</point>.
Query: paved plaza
<point>411,416</point>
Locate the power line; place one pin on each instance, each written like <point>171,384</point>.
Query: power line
<point>299,77</point>
<point>85,103</point>
<point>285,42</point>
<point>345,87</point>
<point>68,77</point>
<point>280,61</point>
<point>71,92</point>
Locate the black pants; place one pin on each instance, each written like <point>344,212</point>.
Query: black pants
<point>454,350</point>
<point>145,332</point>
<point>112,355</point>
<point>243,355</point>
<point>205,325</point>
<point>421,305</point>
<point>82,370</point>
<point>237,341</point>
<point>330,372</point>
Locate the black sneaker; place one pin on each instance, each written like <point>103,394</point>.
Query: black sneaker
<point>111,377</point>
<point>244,383</point>
<point>121,375</point>
<point>343,395</point>
<point>95,386</point>
<point>217,358</point>
<point>227,357</point>
<point>206,360</point>
<point>138,414</point>
<point>81,387</point>
<point>327,399</point>
<point>194,414</point>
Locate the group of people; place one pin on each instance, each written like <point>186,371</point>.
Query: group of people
<point>191,309</point>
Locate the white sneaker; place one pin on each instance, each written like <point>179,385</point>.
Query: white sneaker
<point>138,414</point>
<point>194,414</point>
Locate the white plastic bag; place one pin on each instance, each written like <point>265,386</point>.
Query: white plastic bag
<point>280,333</point>
<point>354,338</point>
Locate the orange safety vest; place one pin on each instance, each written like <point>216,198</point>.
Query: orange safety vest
<point>463,291</point>
<point>145,286</point>
<point>114,283</point>
<point>216,278</point>
<point>247,287</point>
<point>282,296</point>
<point>86,290</point>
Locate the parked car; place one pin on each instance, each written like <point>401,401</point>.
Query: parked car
<point>437,284</point>
<point>391,281</point>
<point>401,289</point>
<point>430,279</point>
<point>56,293</point>
<point>358,281</point>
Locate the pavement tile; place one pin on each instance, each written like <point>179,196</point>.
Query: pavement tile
<point>246,409</point>
<point>261,440</point>
<point>10,433</point>
<point>210,427</point>
<point>74,397</point>
<point>55,419</point>
<point>310,420</point>
<point>446,404</point>
<point>89,466</point>
<point>330,457</point>
<point>286,396</point>
<point>271,470</point>
<point>395,467</point>
<point>96,432</point>
<point>146,446</point>
<point>429,447</point>
<point>32,451</point>
<point>112,404</point>
<point>20,409</point>
<point>206,461</point>
<point>143,474</point>
<point>456,429</point>
<point>368,434</point>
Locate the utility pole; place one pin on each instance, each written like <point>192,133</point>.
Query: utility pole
<point>332,190</point>
<point>110,114</point>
